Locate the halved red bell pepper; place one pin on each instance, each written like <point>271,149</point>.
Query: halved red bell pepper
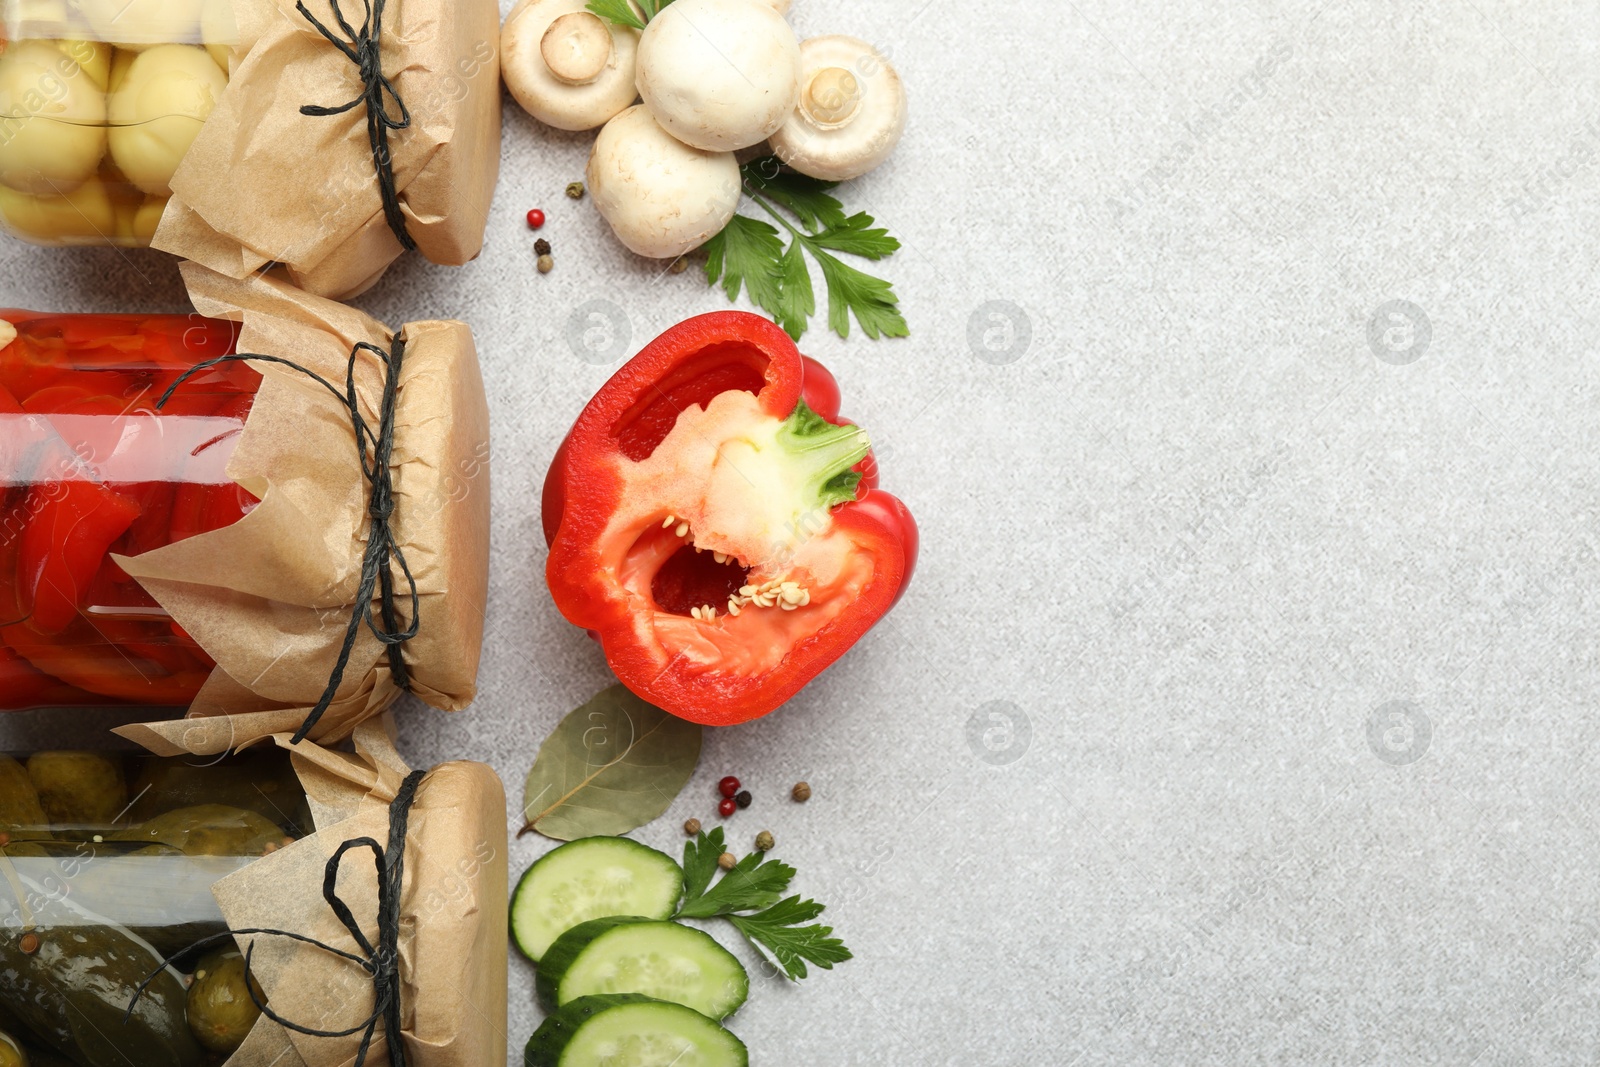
<point>709,522</point>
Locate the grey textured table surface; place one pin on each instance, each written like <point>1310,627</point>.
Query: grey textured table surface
<point>1242,708</point>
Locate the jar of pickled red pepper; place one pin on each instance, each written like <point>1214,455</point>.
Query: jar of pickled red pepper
<point>90,469</point>
<point>99,102</point>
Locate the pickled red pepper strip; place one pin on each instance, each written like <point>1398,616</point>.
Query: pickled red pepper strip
<point>717,526</point>
<point>74,628</point>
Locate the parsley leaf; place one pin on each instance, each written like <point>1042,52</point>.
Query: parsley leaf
<point>746,250</point>
<point>756,885</point>
<point>754,882</point>
<point>621,11</point>
<point>777,932</point>
<point>750,253</point>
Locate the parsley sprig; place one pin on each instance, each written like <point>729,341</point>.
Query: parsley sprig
<point>751,253</point>
<point>750,896</point>
<point>624,13</point>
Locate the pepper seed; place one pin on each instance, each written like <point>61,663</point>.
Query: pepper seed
<point>801,792</point>
<point>692,827</point>
<point>575,190</point>
<point>764,841</point>
<point>727,861</point>
<point>545,263</point>
<point>743,799</point>
<point>541,247</point>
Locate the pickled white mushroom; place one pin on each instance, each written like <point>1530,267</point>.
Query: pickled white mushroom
<point>141,24</point>
<point>219,33</point>
<point>86,215</point>
<point>662,197</point>
<point>157,111</point>
<point>567,67</point>
<point>94,57</point>
<point>851,114</point>
<point>52,120</point>
<point>719,75</point>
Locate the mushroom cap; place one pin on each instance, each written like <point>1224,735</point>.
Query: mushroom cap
<point>140,24</point>
<point>52,120</point>
<point>86,215</point>
<point>662,197</point>
<point>851,112</point>
<point>157,110</point>
<point>567,67</point>
<point>719,75</point>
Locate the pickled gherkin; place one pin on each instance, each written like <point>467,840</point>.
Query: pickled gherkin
<point>79,788</point>
<point>12,1053</point>
<point>221,1008</point>
<point>22,817</point>
<point>209,830</point>
<point>93,904</point>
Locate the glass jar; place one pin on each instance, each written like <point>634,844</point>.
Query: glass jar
<point>99,102</point>
<point>107,862</point>
<point>89,469</point>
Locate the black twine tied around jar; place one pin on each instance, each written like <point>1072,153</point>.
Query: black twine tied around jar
<point>381,962</point>
<point>363,50</point>
<point>374,449</point>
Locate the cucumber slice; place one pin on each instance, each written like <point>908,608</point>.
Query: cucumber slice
<point>625,1030</point>
<point>591,878</point>
<point>662,960</point>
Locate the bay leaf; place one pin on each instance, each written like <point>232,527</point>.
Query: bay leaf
<point>611,766</point>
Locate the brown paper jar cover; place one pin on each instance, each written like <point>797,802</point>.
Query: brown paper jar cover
<point>270,596</point>
<point>177,123</point>
<point>99,888</point>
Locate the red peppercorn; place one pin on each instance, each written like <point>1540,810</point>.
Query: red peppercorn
<point>727,808</point>
<point>535,219</point>
<point>728,786</point>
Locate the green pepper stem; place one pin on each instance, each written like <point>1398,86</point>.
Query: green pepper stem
<point>828,451</point>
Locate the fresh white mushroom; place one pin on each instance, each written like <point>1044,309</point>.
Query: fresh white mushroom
<point>52,120</point>
<point>157,110</point>
<point>719,75</point>
<point>566,66</point>
<point>140,24</point>
<point>851,114</point>
<point>662,197</point>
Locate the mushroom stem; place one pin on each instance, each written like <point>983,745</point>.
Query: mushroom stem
<point>576,47</point>
<point>832,97</point>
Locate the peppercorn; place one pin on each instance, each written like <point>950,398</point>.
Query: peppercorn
<point>764,841</point>
<point>575,190</point>
<point>545,263</point>
<point>535,219</point>
<point>726,808</point>
<point>728,786</point>
<point>541,247</point>
<point>801,792</point>
<point>692,827</point>
<point>679,265</point>
<point>743,799</point>
<point>727,861</point>
<point>29,944</point>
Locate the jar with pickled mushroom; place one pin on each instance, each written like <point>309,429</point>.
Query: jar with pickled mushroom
<point>99,102</point>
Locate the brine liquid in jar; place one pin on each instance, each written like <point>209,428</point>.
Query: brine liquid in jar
<point>90,469</point>
<point>100,100</point>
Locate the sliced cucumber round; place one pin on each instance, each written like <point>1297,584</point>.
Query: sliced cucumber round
<point>625,1030</point>
<point>663,960</point>
<point>591,878</point>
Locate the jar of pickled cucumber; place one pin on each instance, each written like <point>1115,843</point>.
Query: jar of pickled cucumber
<point>90,469</point>
<point>107,863</point>
<point>99,102</point>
